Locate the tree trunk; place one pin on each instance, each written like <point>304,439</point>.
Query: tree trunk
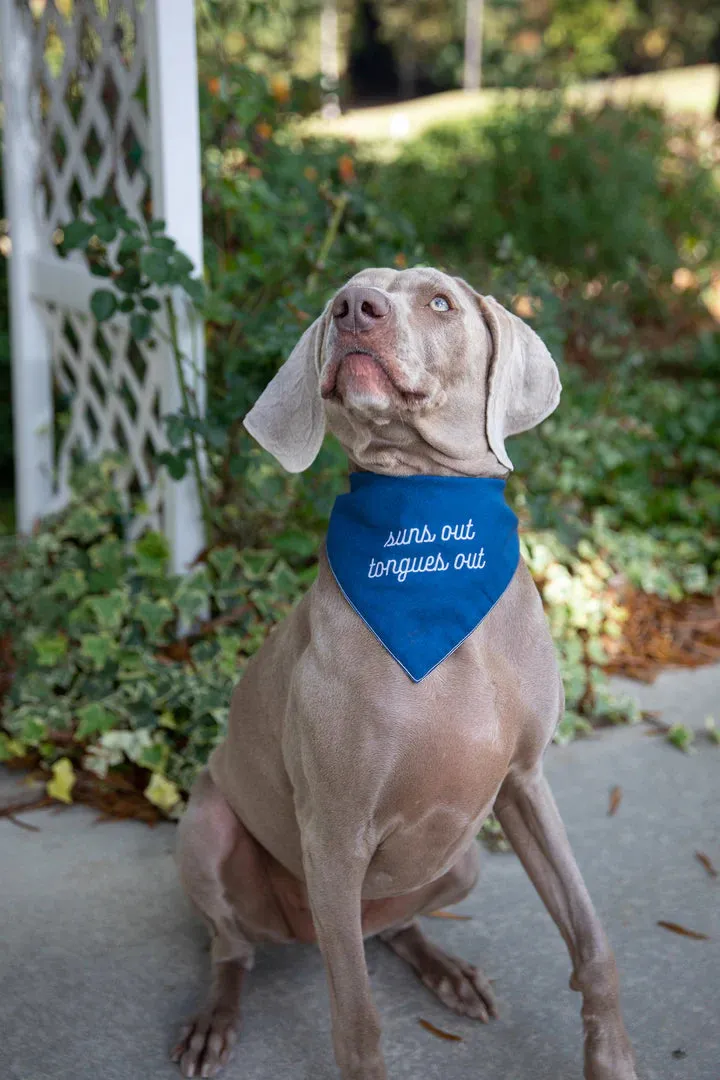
<point>472,74</point>
<point>329,70</point>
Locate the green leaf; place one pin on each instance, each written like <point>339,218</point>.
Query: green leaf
<point>105,231</point>
<point>192,596</point>
<point>154,757</point>
<point>256,564</point>
<point>175,429</point>
<point>108,555</point>
<point>195,290</point>
<point>153,550</point>
<point>100,269</point>
<point>50,649</point>
<point>109,610</point>
<point>130,245</point>
<point>33,730</point>
<point>224,561</point>
<point>150,303</point>
<point>71,583</point>
<point>98,648</point>
<point>100,208</point>
<point>76,235</point>
<point>94,718</point>
<point>182,264</point>
<point>292,543</point>
<point>176,464</point>
<point>154,615</point>
<point>82,523</point>
<point>681,737</point>
<point>10,748</point>
<point>157,225</point>
<point>129,280</point>
<point>155,265</point>
<point>127,305</point>
<point>140,325</point>
<point>163,243</point>
<point>103,304</point>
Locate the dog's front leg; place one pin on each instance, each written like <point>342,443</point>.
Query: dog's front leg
<point>527,812</point>
<point>334,874</point>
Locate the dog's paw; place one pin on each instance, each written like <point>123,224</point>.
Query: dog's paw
<point>460,986</point>
<point>205,1044</point>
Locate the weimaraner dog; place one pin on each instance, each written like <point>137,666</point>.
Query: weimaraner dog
<point>346,798</point>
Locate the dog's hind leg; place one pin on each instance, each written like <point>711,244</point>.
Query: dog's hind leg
<point>213,847</point>
<point>459,985</point>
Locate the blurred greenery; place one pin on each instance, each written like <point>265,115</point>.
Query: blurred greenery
<point>599,227</point>
<point>585,190</point>
<point>540,43</point>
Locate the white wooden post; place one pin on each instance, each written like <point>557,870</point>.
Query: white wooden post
<point>175,168</point>
<point>329,68</point>
<point>472,74</point>
<point>30,344</point>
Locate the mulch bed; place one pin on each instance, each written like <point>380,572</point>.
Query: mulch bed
<point>665,633</point>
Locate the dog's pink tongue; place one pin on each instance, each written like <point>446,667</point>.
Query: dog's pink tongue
<point>360,374</point>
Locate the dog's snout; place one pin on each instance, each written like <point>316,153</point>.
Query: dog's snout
<point>359,308</point>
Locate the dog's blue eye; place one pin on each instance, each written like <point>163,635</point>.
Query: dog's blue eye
<point>440,303</point>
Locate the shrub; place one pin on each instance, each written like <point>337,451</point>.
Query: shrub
<point>587,191</point>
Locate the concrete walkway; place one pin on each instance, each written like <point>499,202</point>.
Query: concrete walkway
<point>101,958</point>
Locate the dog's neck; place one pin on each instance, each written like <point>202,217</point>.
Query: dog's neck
<point>424,448</point>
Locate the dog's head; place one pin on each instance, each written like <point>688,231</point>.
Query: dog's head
<point>413,371</point>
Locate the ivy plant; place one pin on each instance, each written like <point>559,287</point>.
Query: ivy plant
<point>102,676</point>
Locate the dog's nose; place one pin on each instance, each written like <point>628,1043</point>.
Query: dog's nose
<point>358,308</point>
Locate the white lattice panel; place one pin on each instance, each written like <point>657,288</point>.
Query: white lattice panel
<point>89,65</point>
<point>107,398</point>
<point>100,95</point>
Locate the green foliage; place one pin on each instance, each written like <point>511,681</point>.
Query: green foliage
<point>628,470</point>
<point>585,191</point>
<point>103,676</point>
<point>582,36</point>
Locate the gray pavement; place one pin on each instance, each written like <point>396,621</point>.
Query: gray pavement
<point>100,956</point>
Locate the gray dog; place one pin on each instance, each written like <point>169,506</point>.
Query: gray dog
<point>346,798</point>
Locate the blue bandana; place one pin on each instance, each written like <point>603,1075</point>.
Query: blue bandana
<point>422,559</point>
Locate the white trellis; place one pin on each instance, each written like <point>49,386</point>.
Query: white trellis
<point>100,99</point>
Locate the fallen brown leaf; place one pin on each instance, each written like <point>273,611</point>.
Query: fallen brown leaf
<point>22,824</point>
<point>448,915</point>
<point>438,1032</point>
<point>615,799</point>
<point>25,805</point>
<point>676,928</point>
<point>705,861</point>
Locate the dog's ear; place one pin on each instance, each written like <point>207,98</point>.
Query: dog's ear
<point>523,381</point>
<point>288,419</point>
